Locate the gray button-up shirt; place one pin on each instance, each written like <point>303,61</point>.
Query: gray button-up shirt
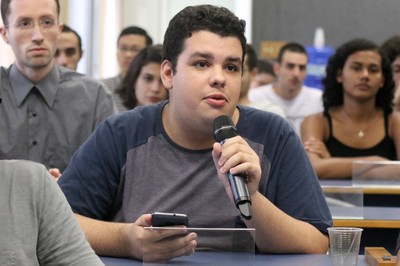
<point>47,124</point>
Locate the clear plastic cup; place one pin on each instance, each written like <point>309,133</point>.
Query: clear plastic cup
<point>344,245</point>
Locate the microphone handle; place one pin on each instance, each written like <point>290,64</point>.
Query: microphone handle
<point>239,188</point>
<point>241,194</point>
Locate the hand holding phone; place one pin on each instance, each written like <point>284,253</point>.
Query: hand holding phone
<point>159,219</point>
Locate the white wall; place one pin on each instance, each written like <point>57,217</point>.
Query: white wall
<point>154,15</point>
<point>6,53</point>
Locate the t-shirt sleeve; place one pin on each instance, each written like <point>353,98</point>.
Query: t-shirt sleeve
<point>292,184</point>
<point>91,180</point>
<point>61,240</point>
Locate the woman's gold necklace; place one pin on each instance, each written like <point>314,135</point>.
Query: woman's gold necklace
<point>361,133</point>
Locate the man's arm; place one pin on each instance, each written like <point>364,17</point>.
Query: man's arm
<point>277,232</point>
<point>60,239</point>
<point>133,240</point>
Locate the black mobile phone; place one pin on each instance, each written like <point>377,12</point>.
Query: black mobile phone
<point>159,219</point>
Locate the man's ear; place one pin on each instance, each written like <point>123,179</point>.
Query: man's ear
<point>277,68</point>
<point>254,73</point>
<point>166,74</point>
<point>3,32</point>
<point>60,27</point>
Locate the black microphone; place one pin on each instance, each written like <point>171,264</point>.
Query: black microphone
<point>225,129</point>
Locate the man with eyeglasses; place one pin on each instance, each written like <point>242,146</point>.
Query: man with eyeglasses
<point>69,48</point>
<point>130,41</point>
<point>47,111</point>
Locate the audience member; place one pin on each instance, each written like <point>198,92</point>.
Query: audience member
<point>391,48</point>
<point>289,92</point>
<point>47,111</point>
<point>69,48</point>
<point>264,75</point>
<point>142,84</point>
<point>249,71</point>
<point>130,41</point>
<point>357,122</point>
<point>163,157</point>
<point>37,224</point>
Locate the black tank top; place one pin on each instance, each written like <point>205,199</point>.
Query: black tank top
<point>384,148</point>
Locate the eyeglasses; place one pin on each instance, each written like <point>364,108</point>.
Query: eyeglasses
<point>25,24</point>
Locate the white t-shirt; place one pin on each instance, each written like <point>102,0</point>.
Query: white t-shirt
<point>309,101</point>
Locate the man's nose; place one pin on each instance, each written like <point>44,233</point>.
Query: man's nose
<point>37,34</point>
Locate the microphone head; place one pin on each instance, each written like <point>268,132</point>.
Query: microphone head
<point>224,128</point>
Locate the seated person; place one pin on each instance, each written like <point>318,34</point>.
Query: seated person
<point>142,84</point>
<point>289,91</point>
<point>69,49</point>
<point>264,75</point>
<point>163,157</point>
<point>37,224</point>
<point>391,48</point>
<point>357,121</point>
<point>249,71</point>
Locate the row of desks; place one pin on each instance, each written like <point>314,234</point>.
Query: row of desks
<point>217,258</point>
<point>381,218</point>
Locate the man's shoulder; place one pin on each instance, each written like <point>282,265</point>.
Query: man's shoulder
<point>256,118</point>
<point>70,75</point>
<point>22,171</point>
<point>4,72</point>
<point>311,91</point>
<point>112,83</point>
<point>75,79</point>
<point>260,93</point>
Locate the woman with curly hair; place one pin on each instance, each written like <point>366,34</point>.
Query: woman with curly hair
<point>357,122</point>
<point>142,84</point>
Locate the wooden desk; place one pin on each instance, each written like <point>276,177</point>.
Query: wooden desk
<point>367,189</point>
<point>381,227</point>
<point>374,217</point>
<point>373,196</point>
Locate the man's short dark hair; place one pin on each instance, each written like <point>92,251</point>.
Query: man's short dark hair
<point>251,57</point>
<point>218,20</point>
<point>264,66</point>
<point>292,47</point>
<point>391,48</point>
<point>137,31</point>
<point>5,10</point>
<point>66,28</point>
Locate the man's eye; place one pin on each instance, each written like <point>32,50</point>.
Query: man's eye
<point>200,64</point>
<point>47,22</point>
<point>232,68</point>
<point>70,52</point>
<point>24,23</point>
<point>148,78</point>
